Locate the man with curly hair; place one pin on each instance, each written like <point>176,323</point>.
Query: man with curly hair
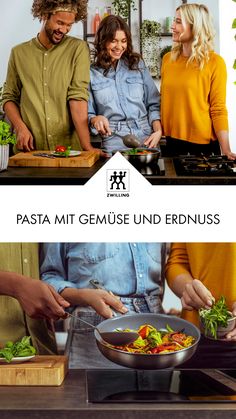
<point>46,90</point>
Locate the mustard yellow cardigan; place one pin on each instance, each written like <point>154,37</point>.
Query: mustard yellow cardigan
<point>193,100</point>
<point>212,263</point>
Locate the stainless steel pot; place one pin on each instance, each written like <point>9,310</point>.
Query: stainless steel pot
<point>147,361</point>
<point>142,159</point>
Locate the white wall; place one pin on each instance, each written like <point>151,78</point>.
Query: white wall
<point>17,25</point>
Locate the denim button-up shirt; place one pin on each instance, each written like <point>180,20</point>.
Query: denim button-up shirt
<point>126,269</point>
<point>123,94</point>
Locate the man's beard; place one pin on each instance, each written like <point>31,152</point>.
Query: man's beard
<point>50,33</point>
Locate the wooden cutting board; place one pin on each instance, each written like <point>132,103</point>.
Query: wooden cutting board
<point>85,159</point>
<point>43,370</point>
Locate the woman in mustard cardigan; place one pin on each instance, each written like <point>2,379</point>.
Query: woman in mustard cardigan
<point>193,87</point>
<point>199,273</point>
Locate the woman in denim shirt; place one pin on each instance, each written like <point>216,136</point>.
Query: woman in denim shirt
<point>123,96</point>
<point>132,271</point>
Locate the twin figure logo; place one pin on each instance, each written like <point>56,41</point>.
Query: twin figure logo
<point>117,180</point>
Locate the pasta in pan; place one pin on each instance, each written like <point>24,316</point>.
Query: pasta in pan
<point>154,341</point>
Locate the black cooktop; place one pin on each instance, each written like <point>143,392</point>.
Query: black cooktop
<point>161,386</point>
<point>204,166</point>
<point>154,168</point>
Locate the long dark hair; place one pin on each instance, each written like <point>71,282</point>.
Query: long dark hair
<point>106,33</point>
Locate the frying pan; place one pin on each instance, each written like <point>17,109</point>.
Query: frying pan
<point>141,159</point>
<point>147,361</point>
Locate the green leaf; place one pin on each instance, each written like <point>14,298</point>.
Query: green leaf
<point>234,23</point>
<point>20,348</point>
<point>6,135</point>
<point>218,315</point>
<point>234,66</point>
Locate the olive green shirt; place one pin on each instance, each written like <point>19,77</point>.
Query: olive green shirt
<point>22,258</point>
<point>42,81</point>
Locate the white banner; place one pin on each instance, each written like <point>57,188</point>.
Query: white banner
<point>117,204</point>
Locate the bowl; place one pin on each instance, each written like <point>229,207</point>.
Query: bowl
<point>221,331</point>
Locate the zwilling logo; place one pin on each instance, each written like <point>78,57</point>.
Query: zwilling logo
<point>117,183</point>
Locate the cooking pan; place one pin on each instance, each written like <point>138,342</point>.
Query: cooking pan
<point>147,361</point>
<point>149,158</point>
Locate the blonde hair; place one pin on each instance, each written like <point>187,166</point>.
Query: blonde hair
<point>198,16</point>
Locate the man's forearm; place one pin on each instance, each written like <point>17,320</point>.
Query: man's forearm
<point>79,113</point>
<point>9,282</point>
<point>13,114</point>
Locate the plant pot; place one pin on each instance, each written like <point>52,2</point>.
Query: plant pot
<point>4,157</point>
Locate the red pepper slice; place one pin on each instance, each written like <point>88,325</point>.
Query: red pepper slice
<point>60,149</point>
<point>144,332</point>
<point>161,348</point>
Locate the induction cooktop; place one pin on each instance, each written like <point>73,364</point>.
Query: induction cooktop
<point>161,386</point>
<point>155,168</point>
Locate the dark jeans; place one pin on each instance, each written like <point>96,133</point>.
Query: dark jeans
<point>175,147</point>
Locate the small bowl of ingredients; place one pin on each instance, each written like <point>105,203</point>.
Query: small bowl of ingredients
<point>217,322</point>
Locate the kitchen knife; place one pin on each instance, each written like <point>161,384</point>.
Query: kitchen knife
<point>50,156</point>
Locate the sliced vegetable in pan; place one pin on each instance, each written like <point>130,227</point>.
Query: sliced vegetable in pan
<point>137,152</point>
<point>154,341</point>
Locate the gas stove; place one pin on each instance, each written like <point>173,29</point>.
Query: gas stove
<point>161,386</point>
<point>212,165</point>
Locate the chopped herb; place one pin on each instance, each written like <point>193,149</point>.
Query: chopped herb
<point>217,316</point>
